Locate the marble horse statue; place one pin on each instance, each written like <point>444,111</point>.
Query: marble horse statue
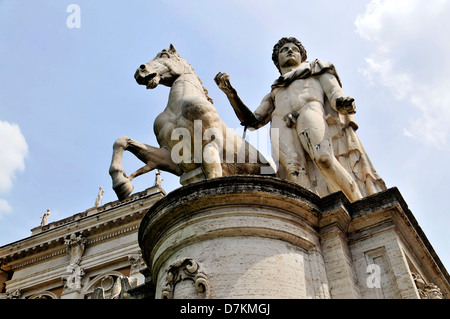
<point>190,133</point>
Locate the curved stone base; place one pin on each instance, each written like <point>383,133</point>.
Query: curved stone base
<point>263,237</point>
<point>246,237</point>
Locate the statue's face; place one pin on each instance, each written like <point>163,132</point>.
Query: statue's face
<point>289,55</point>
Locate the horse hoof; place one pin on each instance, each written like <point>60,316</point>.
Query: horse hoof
<point>123,190</point>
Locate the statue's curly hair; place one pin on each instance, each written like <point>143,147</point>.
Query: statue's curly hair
<point>282,42</point>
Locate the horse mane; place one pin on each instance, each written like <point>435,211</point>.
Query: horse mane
<point>200,80</point>
<point>206,91</point>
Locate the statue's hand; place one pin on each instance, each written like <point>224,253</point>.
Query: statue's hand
<point>346,105</point>
<point>223,82</point>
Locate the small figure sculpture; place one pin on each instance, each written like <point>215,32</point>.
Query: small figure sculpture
<point>158,179</point>
<point>319,148</point>
<point>44,218</point>
<point>76,245</point>
<point>98,201</point>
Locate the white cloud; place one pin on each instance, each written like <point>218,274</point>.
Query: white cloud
<point>13,150</point>
<point>410,57</point>
<point>4,207</point>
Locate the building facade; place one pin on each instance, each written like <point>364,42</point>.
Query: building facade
<point>73,257</point>
<point>229,237</point>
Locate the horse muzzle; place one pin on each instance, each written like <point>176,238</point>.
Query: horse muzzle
<point>149,79</point>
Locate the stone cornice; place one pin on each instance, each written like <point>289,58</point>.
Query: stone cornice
<point>119,217</point>
<point>40,258</point>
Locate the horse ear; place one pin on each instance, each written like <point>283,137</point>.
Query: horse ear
<point>172,48</point>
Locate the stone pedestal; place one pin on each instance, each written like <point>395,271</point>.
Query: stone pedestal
<point>262,237</point>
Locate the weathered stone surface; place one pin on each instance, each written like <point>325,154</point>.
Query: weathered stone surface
<point>72,257</point>
<point>189,131</point>
<point>316,145</point>
<point>263,237</point>
<point>230,237</point>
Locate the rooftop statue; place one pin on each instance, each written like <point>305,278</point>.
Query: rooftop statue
<point>319,148</point>
<point>98,200</point>
<point>44,218</point>
<point>189,131</point>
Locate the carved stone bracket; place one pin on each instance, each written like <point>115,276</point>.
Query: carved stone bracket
<point>75,248</point>
<point>186,269</point>
<point>16,294</point>
<point>426,291</point>
<point>136,262</point>
<point>73,282</point>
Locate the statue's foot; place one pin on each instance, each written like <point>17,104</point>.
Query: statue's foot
<point>123,189</point>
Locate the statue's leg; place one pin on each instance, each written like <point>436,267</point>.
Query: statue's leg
<point>153,157</point>
<point>291,154</point>
<point>211,163</point>
<point>313,133</point>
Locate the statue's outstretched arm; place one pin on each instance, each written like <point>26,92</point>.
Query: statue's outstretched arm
<point>247,117</point>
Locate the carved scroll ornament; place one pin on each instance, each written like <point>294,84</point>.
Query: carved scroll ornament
<point>185,269</point>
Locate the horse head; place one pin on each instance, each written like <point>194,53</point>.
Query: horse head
<point>163,69</point>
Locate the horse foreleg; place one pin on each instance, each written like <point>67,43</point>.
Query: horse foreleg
<point>211,164</point>
<point>153,157</point>
<point>121,183</point>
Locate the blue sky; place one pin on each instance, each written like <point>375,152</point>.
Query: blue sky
<point>66,93</point>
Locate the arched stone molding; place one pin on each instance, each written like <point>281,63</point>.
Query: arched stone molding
<point>44,295</point>
<point>105,281</point>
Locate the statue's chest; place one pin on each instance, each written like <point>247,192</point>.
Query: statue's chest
<point>297,94</point>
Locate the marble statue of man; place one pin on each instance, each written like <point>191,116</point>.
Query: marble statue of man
<point>45,217</point>
<point>318,147</point>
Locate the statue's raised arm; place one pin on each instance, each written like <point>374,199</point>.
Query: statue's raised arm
<point>243,113</point>
<point>253,120</point>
